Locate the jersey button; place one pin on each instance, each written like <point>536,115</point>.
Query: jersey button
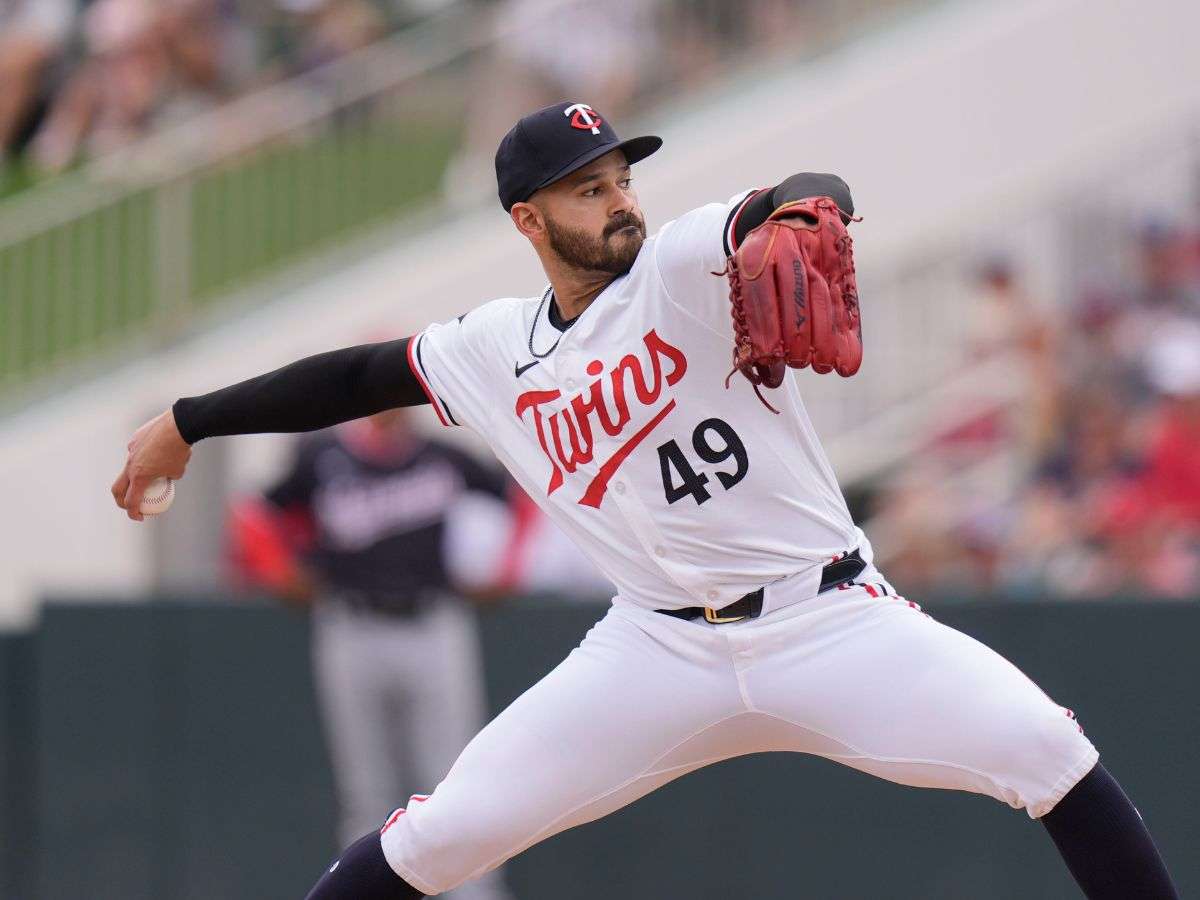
<point>712,595</point>
<point>660,550</point>
<point>619,487</point>
<point>570,382</point>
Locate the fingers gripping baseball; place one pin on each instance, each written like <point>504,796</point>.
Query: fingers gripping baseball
<point>156,450</point>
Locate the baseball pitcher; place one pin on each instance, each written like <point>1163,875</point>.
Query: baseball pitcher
<point>645,399</point>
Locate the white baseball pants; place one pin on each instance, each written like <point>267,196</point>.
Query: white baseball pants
<point>856,674</point>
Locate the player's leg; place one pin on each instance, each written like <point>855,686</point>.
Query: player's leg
<point>1105,843</point>
<point>362,873</point>
<point>644,699</point>
<point>873,682</point>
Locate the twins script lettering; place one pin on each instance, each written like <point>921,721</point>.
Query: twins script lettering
<point>566,432</point>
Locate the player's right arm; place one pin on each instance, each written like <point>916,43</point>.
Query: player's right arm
<point>309,394</point>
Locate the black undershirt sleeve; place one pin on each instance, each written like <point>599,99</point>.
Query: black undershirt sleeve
<point>312,393</point>
<point>797,187</point>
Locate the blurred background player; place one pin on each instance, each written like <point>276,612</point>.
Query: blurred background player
<point>395,650</point>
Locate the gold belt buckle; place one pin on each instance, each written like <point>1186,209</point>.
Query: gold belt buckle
<point>710,615</point>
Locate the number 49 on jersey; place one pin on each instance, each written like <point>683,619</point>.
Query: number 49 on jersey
<point>679,477</point>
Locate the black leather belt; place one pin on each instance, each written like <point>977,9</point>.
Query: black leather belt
<point>845,569</point>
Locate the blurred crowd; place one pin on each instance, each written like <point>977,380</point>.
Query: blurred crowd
<point>82,77</point>
<point>1098,488</point>
<point>1088,486</point>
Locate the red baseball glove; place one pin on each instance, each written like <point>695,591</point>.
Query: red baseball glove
<point>794,295</point>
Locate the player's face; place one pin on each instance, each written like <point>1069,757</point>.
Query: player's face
<point>592,219</point>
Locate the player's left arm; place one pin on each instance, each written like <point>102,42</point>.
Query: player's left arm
<point>690,250</point>
<point>759,205</point>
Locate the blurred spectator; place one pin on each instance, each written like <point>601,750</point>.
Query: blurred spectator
<point>606,47</point>
<point>916,523</point>
<point>1052,542</point>
<point>594,53</point>
<point>33,37</point>
<point>698,34</point>
<point>1107,495</point>
<point>395,652</point>
<point>85,77</point>
<point>1003,318</point>
<point>1168,285</point>
<point>1096,351</point>
<point>1004,321</point>
<point>145,64</point>
<point>319,31</point>
<point>1164,289</point>
<point>1153,524</point>
<point>608,55</point>
<point>1174,370</point>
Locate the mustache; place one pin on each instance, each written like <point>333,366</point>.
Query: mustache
<point>624,221</point>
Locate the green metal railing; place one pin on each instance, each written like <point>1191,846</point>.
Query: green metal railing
<point>158,252</point>
<point>68,287</point>
<point>289,200</point>
<point>137,243</point>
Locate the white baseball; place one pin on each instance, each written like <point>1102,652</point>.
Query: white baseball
<point>158,497</point>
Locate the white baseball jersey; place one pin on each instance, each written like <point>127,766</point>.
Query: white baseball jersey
<point>683,492</point>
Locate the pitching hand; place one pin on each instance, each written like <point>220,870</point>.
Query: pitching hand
<point>155,450</point>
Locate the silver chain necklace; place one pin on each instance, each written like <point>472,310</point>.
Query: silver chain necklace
<point>537,316</point>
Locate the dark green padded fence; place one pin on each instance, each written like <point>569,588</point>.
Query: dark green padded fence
<point>16,748</point>
<point>172,751</point>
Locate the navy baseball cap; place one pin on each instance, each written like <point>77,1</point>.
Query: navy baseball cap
<point>555,141</point>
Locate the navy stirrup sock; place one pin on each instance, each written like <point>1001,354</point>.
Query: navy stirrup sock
<point>362,873</point>
<point>1105,843</point>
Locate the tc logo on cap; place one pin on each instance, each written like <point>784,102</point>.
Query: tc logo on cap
<point>583,117</point>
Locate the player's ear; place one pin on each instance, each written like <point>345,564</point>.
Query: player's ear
<point>529,220</point>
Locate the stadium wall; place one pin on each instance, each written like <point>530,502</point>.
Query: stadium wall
<point>171,752</point>
<point>973,117</point>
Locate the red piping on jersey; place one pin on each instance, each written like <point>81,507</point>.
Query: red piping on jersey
<point>415,798</point>
<point>392,820</point>
<point>412,365</point>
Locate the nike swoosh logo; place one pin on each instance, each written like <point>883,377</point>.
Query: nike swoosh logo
<point>519,370</point>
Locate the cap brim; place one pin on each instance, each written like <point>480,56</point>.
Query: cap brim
<point>635,150</point>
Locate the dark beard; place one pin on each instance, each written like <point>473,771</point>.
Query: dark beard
<point>606,253</point>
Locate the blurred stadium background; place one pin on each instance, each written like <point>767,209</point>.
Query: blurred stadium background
<point>194,191</point>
